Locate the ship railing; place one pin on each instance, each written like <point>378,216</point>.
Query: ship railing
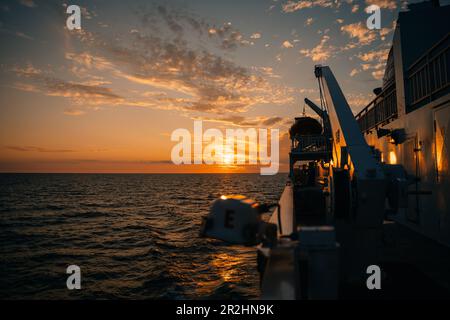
<point>310,143</point>
<point>428,77</point>
<point>380,110</point>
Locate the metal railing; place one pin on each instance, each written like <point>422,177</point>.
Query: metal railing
<point>380,110</point>
<point>426,80</point>
<point>428,77</point>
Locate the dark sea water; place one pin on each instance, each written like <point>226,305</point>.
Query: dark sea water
<point>133,236</point>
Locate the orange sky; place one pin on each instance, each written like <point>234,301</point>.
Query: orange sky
<point>108,97</point>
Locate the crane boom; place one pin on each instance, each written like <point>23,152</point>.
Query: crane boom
<point>347,135</point>
<point>359,230</point>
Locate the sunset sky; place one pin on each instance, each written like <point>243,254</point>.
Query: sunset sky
<point>107,98</point>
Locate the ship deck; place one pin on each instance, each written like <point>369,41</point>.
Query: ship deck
<point>413,266</point>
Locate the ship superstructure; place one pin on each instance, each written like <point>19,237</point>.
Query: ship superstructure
<point>408,122</point>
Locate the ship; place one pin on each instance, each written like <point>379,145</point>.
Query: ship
<point>365,212</point>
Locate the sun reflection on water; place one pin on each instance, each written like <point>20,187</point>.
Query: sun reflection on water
<point>227,266</point>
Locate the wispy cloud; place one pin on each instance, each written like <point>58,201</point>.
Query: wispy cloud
<point>287,44</point>
<point>37,149</point>
<point>357,101</point>
<point>80,94</point>
<point>207,81</point>
<point>354,72</point>
<point>181,22</point>
<point>384,4</point>
<point>362,36</point>
<point>74,112</point>
<point>242,121</point>
<point>43,82</point>
<point>359,32</point>
<point>292,6</point>
<point>182,75</point>
<point>321,52</point>
<point>374,61</point>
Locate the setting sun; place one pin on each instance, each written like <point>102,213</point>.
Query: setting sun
<point>228,158</point>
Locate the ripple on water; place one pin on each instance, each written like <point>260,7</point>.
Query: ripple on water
<point>134,236</point>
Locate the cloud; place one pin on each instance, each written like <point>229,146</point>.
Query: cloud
<point>362,36</point>
<point>89,61</point>
<point>39,81</point>
<point>375,55</point>
<point>266,71</point>
<point>182,76</point>
<point>292,6</point>
<point>384,4</point>
<point>27,71</point>
<point>354,72</point>
<point>378,74</point>
<point>308,91</point>
<point>360,32</point>
<point>37,149</point>
<point>385,31</point>
<point>357,101</point>
<point>271,8</point>
<point>164,67</point>
<point>229,38</point>
<point>321,52</point>
<point>242,121</point>
<point>77,93</point>
<point>286,44</point>
<point>181,22</point>
<point>272,121</point>
<point>374,61</point>
<point>81,93</point>
<point>197,79</point>
<point>74,112</point>
<point>87,14</point>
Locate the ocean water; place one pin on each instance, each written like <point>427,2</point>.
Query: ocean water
<point>133,236</point>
